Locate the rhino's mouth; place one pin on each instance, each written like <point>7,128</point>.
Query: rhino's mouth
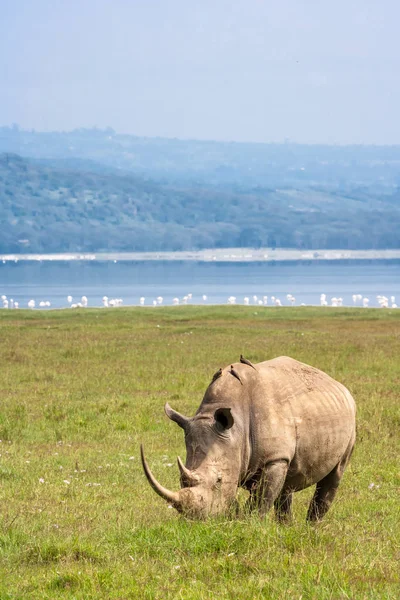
<point>195,500</point>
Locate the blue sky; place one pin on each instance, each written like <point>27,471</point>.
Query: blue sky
<point>244,70</point>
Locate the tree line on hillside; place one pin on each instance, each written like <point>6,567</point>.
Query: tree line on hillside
<point>48,209</point>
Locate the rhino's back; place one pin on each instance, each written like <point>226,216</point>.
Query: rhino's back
<point>308,390</point>
<point>313,407</point>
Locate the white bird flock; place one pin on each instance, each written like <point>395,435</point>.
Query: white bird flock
<point>357,299</point>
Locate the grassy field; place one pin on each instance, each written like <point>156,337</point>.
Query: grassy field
<point>79,391</point>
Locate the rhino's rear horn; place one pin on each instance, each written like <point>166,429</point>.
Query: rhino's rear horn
<point>187,475</point>
<point>175,416</point>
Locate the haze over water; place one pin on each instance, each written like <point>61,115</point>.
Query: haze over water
<point>306,281</point>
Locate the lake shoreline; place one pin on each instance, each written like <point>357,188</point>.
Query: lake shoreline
<point>227,255</point>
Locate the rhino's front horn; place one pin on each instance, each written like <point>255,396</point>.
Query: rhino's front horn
<point>172,497</point>
<point>175,416</point>
<point>187,475</point>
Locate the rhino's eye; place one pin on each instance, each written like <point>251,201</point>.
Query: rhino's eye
<point>217,484</point>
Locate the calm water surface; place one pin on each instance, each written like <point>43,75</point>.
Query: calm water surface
<point>54,281</point>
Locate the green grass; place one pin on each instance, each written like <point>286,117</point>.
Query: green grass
<point>79,391</point>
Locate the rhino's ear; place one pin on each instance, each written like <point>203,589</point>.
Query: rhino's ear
<point>223,418</point>
<point>175,416</point>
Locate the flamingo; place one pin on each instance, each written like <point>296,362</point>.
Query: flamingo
<point>114,302</point>
<point>291,299</point>
<point>383,301</point>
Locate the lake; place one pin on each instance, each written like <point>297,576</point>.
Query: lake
<point>54,281</point>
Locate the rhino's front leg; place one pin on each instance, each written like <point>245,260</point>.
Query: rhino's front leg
<point>269,487</point>
<point>283,506</point>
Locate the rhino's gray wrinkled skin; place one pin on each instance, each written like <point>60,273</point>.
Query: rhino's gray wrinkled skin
<point>274,428</point>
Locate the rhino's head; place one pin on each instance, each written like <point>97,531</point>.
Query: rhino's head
<point>215,451</point>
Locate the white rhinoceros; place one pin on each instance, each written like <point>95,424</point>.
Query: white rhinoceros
<point>273,428</point>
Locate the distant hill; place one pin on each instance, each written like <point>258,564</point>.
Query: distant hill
<point>52,206</point>
<point>211,163</point>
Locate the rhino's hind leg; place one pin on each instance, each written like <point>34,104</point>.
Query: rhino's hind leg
<point>283,506</point>
<point>326,488</point>
<point>323,497</point>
